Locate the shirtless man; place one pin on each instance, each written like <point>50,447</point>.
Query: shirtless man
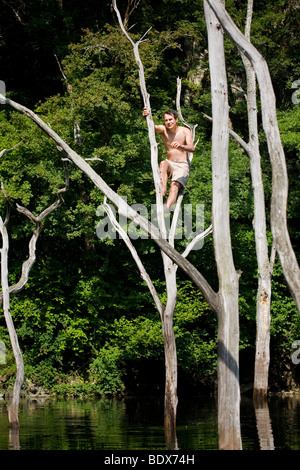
<point>178,141</point>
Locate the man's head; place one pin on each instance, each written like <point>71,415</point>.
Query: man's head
<point>170,118</point>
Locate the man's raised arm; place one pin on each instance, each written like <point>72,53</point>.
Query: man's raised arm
<point>158,129</point>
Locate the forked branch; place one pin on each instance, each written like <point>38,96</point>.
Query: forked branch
<point>37,221</point>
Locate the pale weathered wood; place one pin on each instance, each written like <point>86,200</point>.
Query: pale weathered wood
<point>170,256</point>
<point>144,275</point>
<point>263,304</point>
<point>228,313</point>
<point>13,407</point>
<point>279,225</point>
<point>171,399</point>
<point>37,222</point>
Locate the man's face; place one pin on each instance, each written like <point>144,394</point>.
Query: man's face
<point>170,121</point>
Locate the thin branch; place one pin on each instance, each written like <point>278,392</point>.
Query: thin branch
<point>7,205</point>
<point>233,134</point>
<point>9,150</point>
<point>37,221</point>
<point>195,240</point>
<point>76,126</point>
<point>93,159</point>
<point>272,257</point>
<point>5,299</point>
<point>114,4</point>
<point>145,276</point>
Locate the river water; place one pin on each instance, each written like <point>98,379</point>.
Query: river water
<point>137,424</point>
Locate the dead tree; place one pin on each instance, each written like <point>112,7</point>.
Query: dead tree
<point>226,299</point>
<point>279,198</point>
<point>264,263</point>
<point>170,268</point>
<point>166,312</point>
<point>228,313</point>
<point>13,408</point>
<point>214,299</point>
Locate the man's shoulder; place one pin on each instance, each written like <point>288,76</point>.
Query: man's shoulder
<point>184,129</point>
<point>160,128</point>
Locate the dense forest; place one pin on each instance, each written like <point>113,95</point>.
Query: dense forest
<point>86,321</point>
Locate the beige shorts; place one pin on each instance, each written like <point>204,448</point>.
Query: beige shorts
<point>179,171</point>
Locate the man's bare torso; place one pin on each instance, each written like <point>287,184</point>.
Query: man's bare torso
<point>178,140</point>
<point>175,154</point>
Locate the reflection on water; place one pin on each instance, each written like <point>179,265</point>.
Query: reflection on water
<point>137,424</point>
<point>264,426</point>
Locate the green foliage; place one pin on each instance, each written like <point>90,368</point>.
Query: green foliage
<point>106,371</point>
<point>195,327</point>
<point>285,324</point>
<point>85,313</point>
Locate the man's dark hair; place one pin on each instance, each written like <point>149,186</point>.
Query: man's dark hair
<point>170,111</point>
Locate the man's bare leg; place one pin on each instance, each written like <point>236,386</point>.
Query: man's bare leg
<point>164,169</point>
<point>173,193</point>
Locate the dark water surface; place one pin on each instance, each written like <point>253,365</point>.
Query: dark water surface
<point>137,424</point>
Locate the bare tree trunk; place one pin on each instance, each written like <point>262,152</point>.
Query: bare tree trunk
<point>171,399</point>
<point>13,408</point>
<point>263,317</point>
<point>265,267</point>
<point>228,315</point>
<point>280,232</point>
<point>14,405</point>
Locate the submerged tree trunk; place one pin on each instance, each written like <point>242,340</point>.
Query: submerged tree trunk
<point>228,314</point>
<point>171,398</point>
<point>13,408</point>
<point>263,305</point>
